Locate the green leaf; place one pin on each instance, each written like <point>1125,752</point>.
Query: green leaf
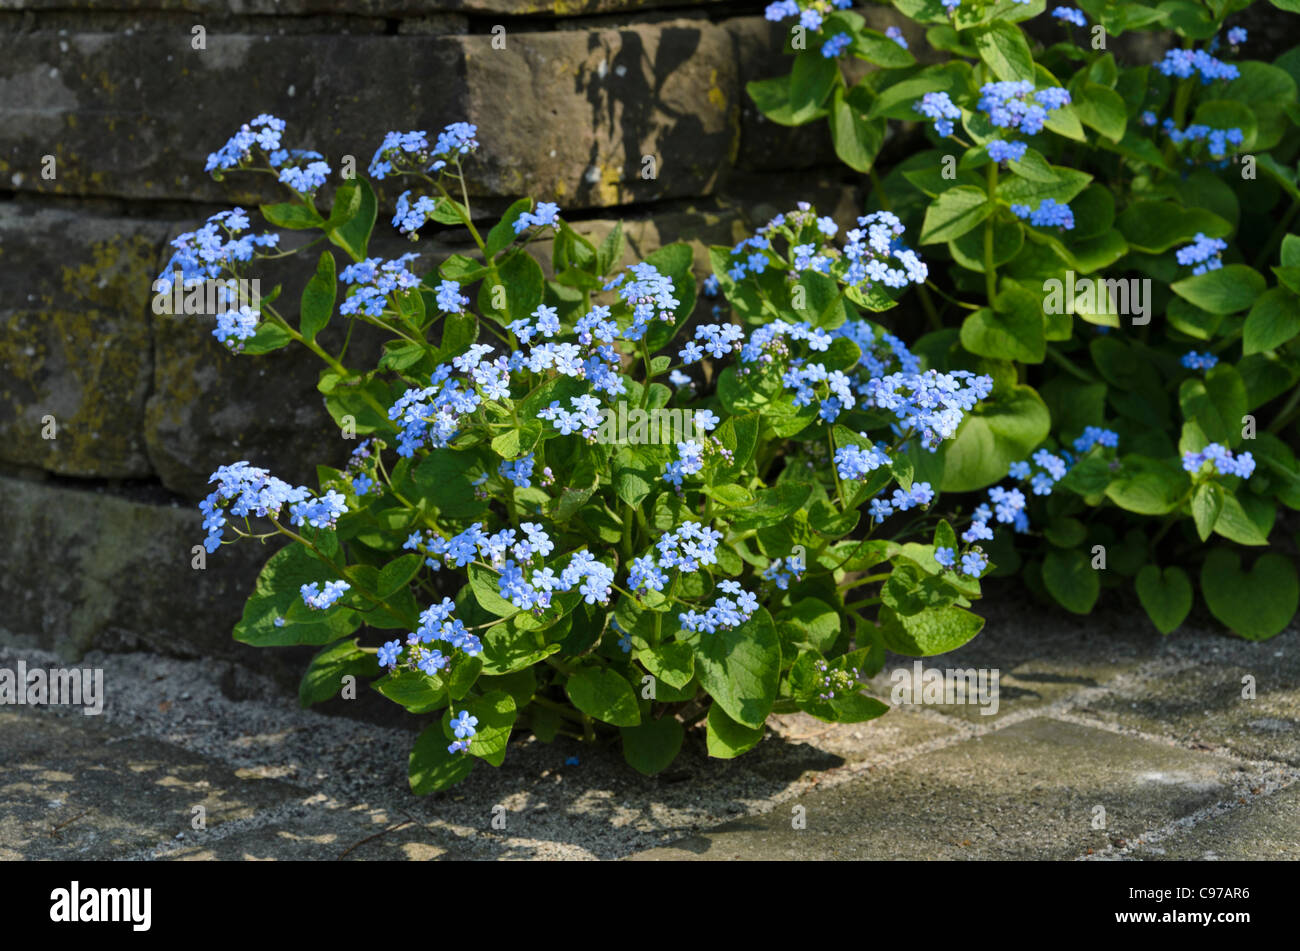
<point>1167,596</point>
<point>1147,486</point>
<point>810,84</point>
<point>353,236</point>
<point>740,667</point>
<point>1015,330</point>
<point>999,431</point>
<point>496,718</point>
<point>1207,504</point>
<point>1257,603</point>
<point>610,252</point>
<point>934,631</point>
<point>856,138</point>
<point>1100,108</point>
<point>292,215</point>
<point>1156,226</point>
<point>503,232</point>
<point>1237,524</point>
<point>486,587</point>
<point>673,663</point>
<point>726,738</point>
<point>417,692</point>
<point>277,595</point>
<point>1003,48</point>
<point>1230,289</point>
<point>772,96</point>
<point>431,768</point>
<point>318,298</point>
<point>603,694</point>
<point>953,213</point>
<point>651,747</point>
<point>1071,579</point>
<point>1273,320</point>
<point>817,622</point>
<point>324,676</point>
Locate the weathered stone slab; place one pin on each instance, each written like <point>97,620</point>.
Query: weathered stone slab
<point>1216,692</point>
<point>74,340</point>
<point>366,8</point>
<point>87,569</point>
<point>1260,829</point>
<point>566,115</point>
<point>1050,659</point>
<point>75,789</point>
<point>1028,791</point>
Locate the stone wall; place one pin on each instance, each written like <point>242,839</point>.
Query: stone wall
<point>97,524</point>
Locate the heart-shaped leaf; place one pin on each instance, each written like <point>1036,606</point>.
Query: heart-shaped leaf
<point>1166,596</point>
<point>1257,603</point>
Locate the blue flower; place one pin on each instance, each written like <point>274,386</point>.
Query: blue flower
<point>1001,150</point>
<point>973,563</point>
<point>945,556</point>
<point>836,45</point>
<point>1199,361</point>
<point>388,654</point>
<point>1070,15</point>
<point>895,34</point>
<point>463,725</point>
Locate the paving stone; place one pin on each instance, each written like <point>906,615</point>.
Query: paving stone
<point>1194,694</point>
<point>1037,664</point>
<point>73,789</point>
<point>1264,828</point>
<point>1027,791</point>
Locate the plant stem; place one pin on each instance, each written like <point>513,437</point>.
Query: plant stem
<point>990,270</point>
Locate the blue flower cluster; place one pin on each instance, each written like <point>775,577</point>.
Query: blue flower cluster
<point>973,562</point>
<point>1070,15</point>
<point>854,462</point>
<point>836,45</point>
<point>725,613</point>
<point>1221,460</point>
<point>929,404</point>
<point>902,500</point>
<point>263,132</point>
<point>1199,361</point>
<point>864,259</point>
<point>1052,469</point>
<point>1002,150</point>
<point>1016,104</point>
<point>782,571</point>
<point>1237,35</point>
<point>649,294</point>
<point>1217,140</point>
<point>406,152</point>
<point>1049,214</point>
<point>236,326</point>
<point>939,107</point>
<point>1183,64</point>
<point>687,549</point>
<point>546,213</point>
<point>519,471</point>
<point>530,586</point>
<point>373,280</point>
<point>319,600</point>
<point>811,14</point>
<point>213,249</point>
<point>1096,436</point>
<point>246,491</point>
<point>1204,252</point>
<point>895,34</point>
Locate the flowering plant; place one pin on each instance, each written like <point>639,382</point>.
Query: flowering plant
<point>1149,199</point>
<point>572,504</point>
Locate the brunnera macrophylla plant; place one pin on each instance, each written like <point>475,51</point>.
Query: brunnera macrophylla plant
<point>570,507</point>
<point>1108,240</point>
